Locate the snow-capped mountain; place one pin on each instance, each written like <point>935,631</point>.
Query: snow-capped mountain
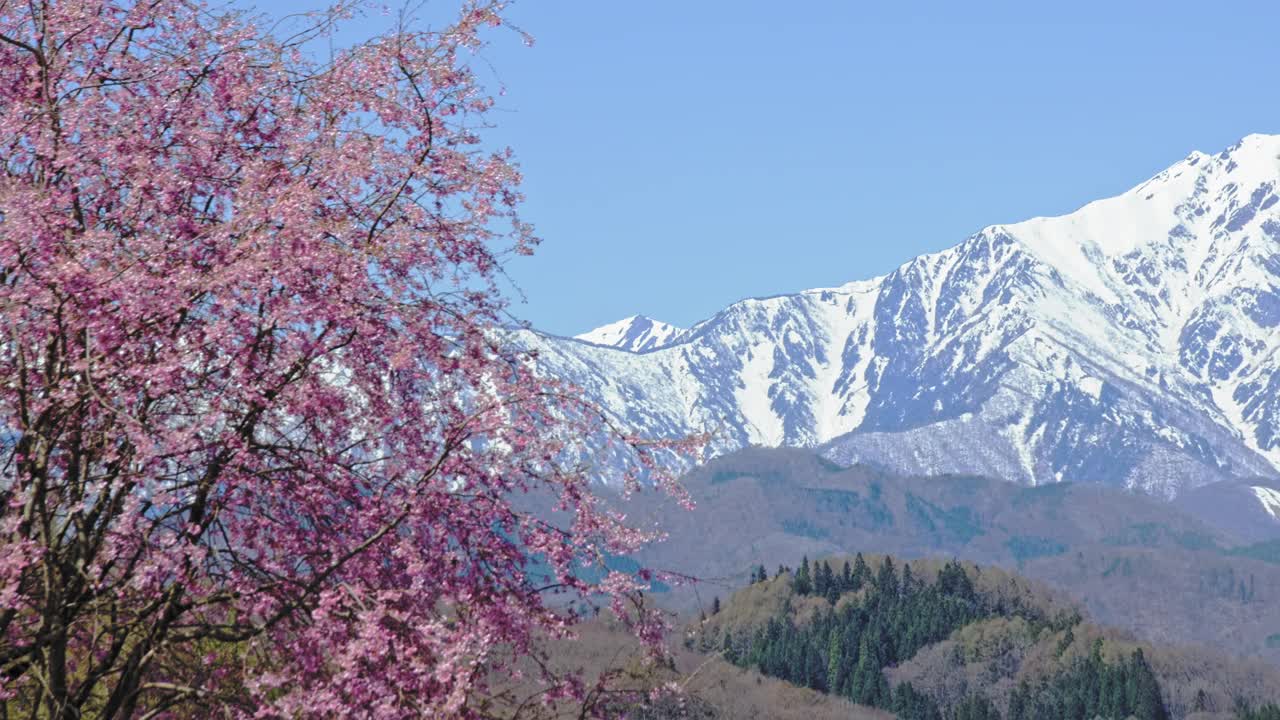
<point>1133,342</point>
<point>636,334</point>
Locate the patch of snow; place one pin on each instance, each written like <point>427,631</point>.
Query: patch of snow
<point>753,397</point>
<point>1092,386</point>
<point>1270,499</point>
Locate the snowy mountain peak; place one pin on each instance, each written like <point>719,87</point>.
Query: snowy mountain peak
<point>1264,141</point>
<point>1135,341</point>
<point>1179,214</point>
<point>633,334</point>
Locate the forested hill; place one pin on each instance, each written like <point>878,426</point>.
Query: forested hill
<point>1129,561</point>
<point>928,640</point>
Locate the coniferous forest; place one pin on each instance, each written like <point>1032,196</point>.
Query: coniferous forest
<point>875,619</point>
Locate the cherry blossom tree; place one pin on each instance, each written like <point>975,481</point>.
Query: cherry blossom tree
<point>265,447</point>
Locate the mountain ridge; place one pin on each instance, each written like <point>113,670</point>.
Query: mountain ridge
<point>636,333</point>
<point>1132,342</point>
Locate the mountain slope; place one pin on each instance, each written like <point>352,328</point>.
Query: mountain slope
<point>926,638</point>
<point>1248,509</point>
<point>1133,561</point>
<point>1134,342</point>
<point>638,688</point>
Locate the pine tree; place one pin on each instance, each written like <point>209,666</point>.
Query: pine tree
<point>727,649</point>
<point>803,583</point>
<point>846,578</point>
<point>1115,701</point>
<point>715,605</point>
<point>833,589</point>
<point>845,650</point>
<point>910,704</point>
<point>835,665</point>
<point>815,671</point>
<point>830,584</point>
<point>867,680</point>
<point>820,576</point>
<point>1147,702</point>
<point>861,573</point>
<point>1089,681</point>
<point>887,579</point>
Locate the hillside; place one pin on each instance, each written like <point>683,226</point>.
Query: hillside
<point>1247,509</point>
<point>928,639</point>
<point>710,688</point>
<point>1130,561</point>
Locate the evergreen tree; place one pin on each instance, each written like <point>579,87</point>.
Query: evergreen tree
<point>861,573</point>
<point>910,704</point>
<point>845,650</point>
<point>715,605</point>
<point>815,669</point>
<point>846,578</point>
<point>1147,702</point>
<point>803,583</point>
<point>821,577</point>
<point>833,589</point>
<point>868,683</point>
<point>727,648</point>
<point>830,584</point>
<point>1086,697</point>
<point>835,665</point>
<point>1115,701</point>
<point>887,579</point>
<point>955,581</point>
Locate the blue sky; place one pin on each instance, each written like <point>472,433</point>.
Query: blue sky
<point>680,156</point>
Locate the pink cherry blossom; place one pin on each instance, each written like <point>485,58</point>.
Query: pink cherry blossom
<point>265,449</point>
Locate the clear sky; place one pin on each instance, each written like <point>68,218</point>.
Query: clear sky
<point>681,155</point>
